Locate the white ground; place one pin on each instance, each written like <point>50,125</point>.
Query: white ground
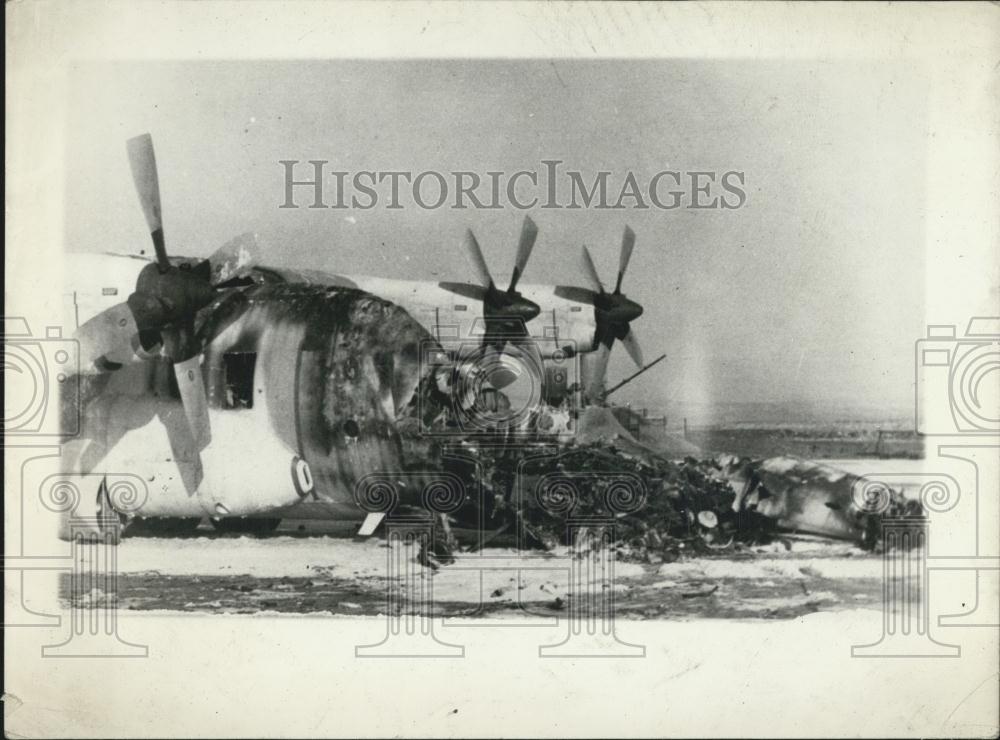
<point>299,675</point>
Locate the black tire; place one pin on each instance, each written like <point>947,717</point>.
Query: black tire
<point>163,526</point>
<point>242,525</point>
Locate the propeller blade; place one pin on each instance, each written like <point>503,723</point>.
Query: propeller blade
<point>574,293</point>
<point>529,232</point>
<point>106,332</point>
<point>628,243</point>
<point>478,261</point>
<point>598,371</point>
<point>143,162</point>
<point>235,258</point>
<point>591,272</point>
<point>194,398</point>
<point>466,290</point>
<point>631,343</point>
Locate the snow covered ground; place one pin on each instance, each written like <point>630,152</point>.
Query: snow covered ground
<point>314,568</point>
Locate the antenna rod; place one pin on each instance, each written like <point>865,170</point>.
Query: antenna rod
<point>633,376</point>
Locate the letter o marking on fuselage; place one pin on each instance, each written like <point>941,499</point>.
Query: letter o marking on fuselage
<point>302,477</point>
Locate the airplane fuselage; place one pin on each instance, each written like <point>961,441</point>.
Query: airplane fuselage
<point>294,372</point>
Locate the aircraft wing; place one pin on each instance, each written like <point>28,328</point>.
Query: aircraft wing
<point>452,311</point>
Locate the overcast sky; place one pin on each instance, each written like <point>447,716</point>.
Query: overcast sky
<point>809,295</point>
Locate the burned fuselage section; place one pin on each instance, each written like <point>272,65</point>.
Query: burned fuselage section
<point>304,383</point>
<point>333,368</point>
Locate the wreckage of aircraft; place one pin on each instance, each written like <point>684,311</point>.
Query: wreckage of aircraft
<point>245,393</point>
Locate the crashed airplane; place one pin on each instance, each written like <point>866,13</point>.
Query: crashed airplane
<point>246,393</point>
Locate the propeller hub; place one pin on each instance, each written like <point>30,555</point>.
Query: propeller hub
<point>618,309</point>
<point>169,296</point>
<point>514,306</point>
<point>525,309</point>
<point>629,310</point>
<point>510,304</point>
<point>506,312</point>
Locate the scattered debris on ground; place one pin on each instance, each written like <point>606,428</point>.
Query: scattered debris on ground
<point>663,509</point>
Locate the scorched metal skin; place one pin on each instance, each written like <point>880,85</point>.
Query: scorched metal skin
<point>335,371</point>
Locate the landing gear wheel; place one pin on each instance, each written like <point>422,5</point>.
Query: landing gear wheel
<point>240,525</point>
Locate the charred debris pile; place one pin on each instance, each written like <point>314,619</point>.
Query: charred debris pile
<point>652,509</point>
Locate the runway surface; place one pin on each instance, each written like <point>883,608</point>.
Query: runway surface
<point>324,572</point>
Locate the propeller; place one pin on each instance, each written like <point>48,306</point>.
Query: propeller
<point>167,297</point>
<point>142,160</point>
<point>506,312</point>
<point>613,313</point>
